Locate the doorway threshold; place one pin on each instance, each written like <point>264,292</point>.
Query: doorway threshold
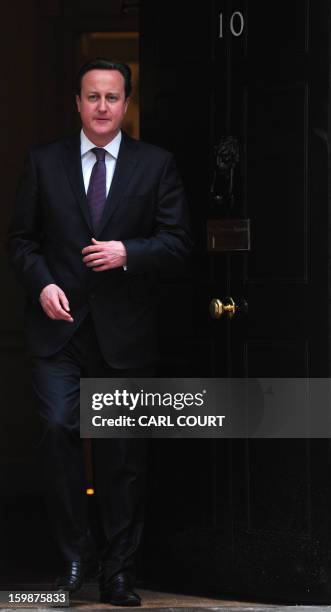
<point>87,599</point>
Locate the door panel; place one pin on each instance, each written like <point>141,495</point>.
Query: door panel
<point>247,517</point>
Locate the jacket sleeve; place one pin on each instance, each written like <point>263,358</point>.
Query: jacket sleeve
<point>25,234</point>
<point>170,243</point>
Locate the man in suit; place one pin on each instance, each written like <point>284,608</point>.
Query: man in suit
<point>98,217</point>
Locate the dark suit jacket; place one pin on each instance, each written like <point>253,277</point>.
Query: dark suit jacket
<point>50,225</point>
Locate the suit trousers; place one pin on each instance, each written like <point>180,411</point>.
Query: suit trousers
<point>118,464</point>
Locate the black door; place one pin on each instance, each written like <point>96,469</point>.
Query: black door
<point>244,517</point>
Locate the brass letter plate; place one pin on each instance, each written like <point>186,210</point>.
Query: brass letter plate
<point>228,235</point>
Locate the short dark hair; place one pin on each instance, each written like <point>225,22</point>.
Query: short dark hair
<point>102,63</point>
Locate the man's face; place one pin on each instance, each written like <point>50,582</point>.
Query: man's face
<point>102,105</point>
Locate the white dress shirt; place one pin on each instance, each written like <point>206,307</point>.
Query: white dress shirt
<point>89,159</point>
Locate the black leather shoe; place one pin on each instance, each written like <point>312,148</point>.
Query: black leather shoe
<point>119,592</point>
<point>75,574</point>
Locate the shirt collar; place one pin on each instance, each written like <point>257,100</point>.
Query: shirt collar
<point>112,147</point>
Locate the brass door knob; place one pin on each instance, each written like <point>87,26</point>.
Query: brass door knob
<point>226,308</point>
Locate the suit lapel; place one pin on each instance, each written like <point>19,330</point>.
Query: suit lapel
<point>73,166</point>
<point>125,164</point>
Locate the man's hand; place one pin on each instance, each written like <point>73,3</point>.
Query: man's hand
<point>55,304</point>
<point>104,255</point>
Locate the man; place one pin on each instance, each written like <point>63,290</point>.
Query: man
<point>97,218</point>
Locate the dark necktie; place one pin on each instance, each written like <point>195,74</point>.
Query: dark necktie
<point>96,193</point>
